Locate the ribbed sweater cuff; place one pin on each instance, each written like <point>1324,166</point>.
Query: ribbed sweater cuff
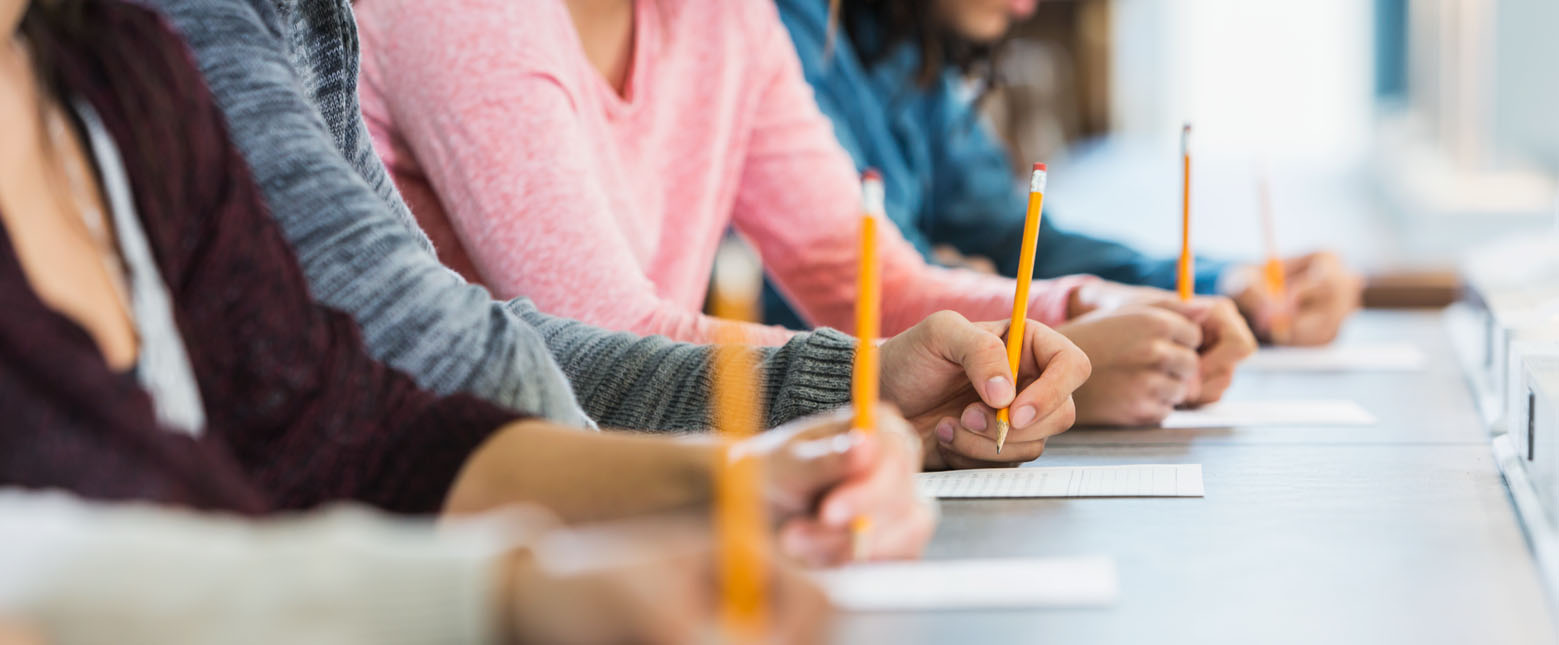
<point>809,374</point>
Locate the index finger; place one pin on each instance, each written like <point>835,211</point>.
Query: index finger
<point>1232,338</point>
<point>1060,365</point>
<point>1309,287</point>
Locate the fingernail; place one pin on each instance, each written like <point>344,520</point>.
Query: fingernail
<point>945,430</point>
<point>998,390</point>
<point>1023,416</point>
<point>973,420</point>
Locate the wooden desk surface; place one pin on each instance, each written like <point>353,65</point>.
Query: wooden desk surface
<point>1401,533</point>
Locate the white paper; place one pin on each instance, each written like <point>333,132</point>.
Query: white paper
<point>1177,480</point>
<point>1237,414</point>
<point>1382,357</point>
<point>973,584</point>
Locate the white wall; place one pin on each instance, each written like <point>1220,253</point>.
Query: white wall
<point>1282,79</point>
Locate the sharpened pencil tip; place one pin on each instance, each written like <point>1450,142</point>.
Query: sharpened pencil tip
<point>1001,434</point>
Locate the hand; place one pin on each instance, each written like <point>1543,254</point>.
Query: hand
<point>949,375</point>
<point>1226,339</point>
<point>821,475</point>
<point>1321,294</point>
<point>817,469</point>
<point>1144,361</point>
<point>637,583</point>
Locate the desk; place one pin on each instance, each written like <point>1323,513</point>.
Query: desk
<point>1400,533</point>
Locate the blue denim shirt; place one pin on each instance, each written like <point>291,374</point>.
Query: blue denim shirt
<point>948,181</point>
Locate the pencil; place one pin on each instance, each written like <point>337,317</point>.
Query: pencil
<point>868,313</point>
<point>1273,273</point>
<point>740,521</point>
<point>1020,300</point>
<point>1186,282</point>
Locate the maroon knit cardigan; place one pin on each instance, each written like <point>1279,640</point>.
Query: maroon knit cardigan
<point>297,413</point>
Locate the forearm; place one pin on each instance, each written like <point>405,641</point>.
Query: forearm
<point>137,574</point>
<point>654,384</point>
<point>585,476</point>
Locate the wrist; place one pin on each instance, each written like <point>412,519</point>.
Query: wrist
<point>1083,299</point>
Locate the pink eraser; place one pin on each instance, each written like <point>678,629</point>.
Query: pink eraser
<point>1039,167</point>
<point>871,174</point>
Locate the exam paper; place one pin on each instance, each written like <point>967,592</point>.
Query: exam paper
<point>1232,414</point>
<point>972,584</point>
<point>1382,357</point>
<point>1178,480</point>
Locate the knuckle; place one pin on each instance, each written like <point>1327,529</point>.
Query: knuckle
<point>1160,322</point>
<point>941,321</point>
<point>992,343</point>
<point>1066,417</point>
<point>1160,355</point>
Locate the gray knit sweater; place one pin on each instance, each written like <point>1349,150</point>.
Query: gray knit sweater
<point>285,75</point>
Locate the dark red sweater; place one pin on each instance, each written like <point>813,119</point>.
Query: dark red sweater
<point>297,413</point>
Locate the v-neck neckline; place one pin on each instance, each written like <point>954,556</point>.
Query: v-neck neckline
<point>645,32</point>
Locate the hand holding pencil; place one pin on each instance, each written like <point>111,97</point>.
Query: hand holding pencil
<point>971,367</point>
<point>1296,301</point>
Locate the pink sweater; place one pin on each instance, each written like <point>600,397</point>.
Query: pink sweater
<point>533,176</point>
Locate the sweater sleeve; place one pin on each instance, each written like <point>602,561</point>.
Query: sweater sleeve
<point>144,575</point>
<point>359,256</point>
<point>652,383</point>
<point>799,204</point>
<point>975,205</point>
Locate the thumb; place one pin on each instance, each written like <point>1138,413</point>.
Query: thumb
<point>981,352</point>
<point>808,468</point>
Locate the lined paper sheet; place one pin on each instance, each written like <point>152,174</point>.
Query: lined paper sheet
<point>973,584</point>
<point>1177,480</point>
<point>1234,414</point>
<point>1380,357</point>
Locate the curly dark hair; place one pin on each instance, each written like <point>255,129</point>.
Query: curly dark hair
<point>918,22</point>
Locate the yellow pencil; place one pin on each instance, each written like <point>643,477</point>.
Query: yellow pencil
<point>1020,300</point>
<point>1187,282</point>
<point>740,521</point>
<point>1274,271</point>
<point>868,313</point>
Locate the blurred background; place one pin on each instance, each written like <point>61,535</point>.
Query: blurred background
<point>1400,132</point>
